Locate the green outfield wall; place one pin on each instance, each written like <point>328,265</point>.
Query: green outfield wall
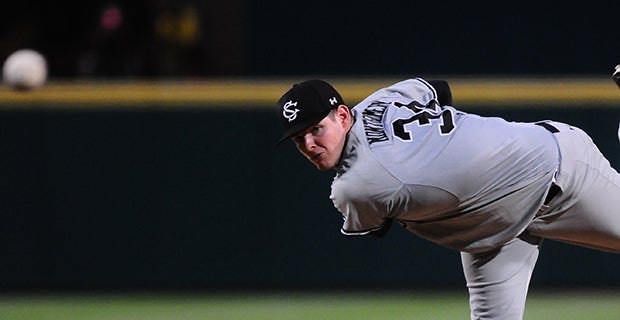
<point>193,194</point>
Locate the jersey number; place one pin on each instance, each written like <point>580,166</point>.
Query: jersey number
<point>423,114</point>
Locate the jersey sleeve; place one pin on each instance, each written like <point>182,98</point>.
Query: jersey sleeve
<point>365,198</point>
<point>360,220</point>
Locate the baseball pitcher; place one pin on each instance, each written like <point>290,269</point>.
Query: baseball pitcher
<point>489,188</point>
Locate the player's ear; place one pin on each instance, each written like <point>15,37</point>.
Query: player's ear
<point>343,114</point>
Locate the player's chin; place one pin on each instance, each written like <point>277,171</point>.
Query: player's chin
<point>324,165</point>
<point>321,168</point>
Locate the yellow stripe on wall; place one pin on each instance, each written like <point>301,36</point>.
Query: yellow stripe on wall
<point>261,93</point>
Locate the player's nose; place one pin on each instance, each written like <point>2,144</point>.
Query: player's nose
<point>309,142</point>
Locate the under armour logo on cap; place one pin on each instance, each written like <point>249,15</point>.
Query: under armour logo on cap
<point>306,104</point>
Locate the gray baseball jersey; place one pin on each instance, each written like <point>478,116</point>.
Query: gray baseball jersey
<point>475,184</point>
<point>466,182</point>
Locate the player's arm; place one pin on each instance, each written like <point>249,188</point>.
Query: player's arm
<point>368,223</point>
<point>377,232</point>
<point>380,233</point>
<point>444,94</point>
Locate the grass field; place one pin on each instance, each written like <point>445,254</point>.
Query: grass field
<point>359,306</point>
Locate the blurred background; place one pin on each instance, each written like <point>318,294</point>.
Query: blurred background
<point>191,38</point>
<point>191,193</point>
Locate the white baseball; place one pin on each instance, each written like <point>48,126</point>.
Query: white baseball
<point>25,69</point>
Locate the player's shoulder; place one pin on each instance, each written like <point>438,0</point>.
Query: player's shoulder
<point>403,91</point>
<point>412,85</point>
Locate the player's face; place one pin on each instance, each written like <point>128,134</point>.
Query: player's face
<point>322,143</point>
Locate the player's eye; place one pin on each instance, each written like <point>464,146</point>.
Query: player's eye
<point>298,139</point>
<point>317,130</point>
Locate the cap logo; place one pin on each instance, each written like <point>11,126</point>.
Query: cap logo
<point>333,101</point>
<point>288,113</point>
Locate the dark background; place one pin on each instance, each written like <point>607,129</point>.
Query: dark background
<point>199,198</point>
<point>185,38</point>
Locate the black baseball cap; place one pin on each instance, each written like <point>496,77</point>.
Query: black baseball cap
<point>305,104</point>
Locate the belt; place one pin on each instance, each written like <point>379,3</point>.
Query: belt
<point>554,189</point>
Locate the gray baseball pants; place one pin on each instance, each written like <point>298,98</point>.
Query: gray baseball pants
<point>585,212</point>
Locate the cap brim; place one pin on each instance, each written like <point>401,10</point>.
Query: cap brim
<point>300,126</point>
